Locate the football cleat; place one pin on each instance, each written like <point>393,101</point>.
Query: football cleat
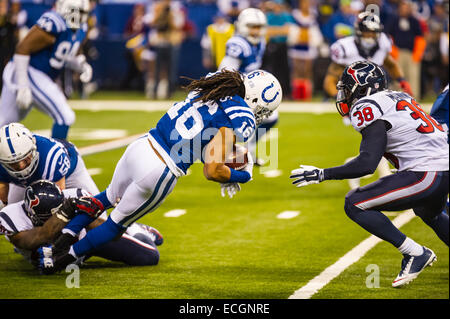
<point>154,234</point>
<point>412,266</point>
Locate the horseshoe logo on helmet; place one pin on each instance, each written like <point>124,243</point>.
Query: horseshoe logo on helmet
<point>263,94</point>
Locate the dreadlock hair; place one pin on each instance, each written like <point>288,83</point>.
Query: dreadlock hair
<point>217,86</point>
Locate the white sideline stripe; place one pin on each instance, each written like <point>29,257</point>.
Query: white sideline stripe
<point>288,214</point>
<point>320,281</point>
<point>175,213</point>
<point>152,106</point>
<point>107,146</point>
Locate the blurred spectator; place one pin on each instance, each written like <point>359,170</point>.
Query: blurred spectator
<point>433,68</point>
<point>386,11</point>
<point>135,24</point>
<point>139,58</point>
<point>276,55</point>
<point>409,43</point>
<point>341,22</point>
<point>214,41</point>
<point>232,8</point>
<point>167,23</point>
<point>444,47</point>
<point>12,27</point>
<point>304,41</point>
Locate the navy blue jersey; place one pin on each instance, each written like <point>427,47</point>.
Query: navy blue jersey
<point>51,60</point>
<point>250,55</point>
<point>189,126</point>
<point>56,160</point>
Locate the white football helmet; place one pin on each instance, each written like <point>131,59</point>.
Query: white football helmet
<point>75,12</point>
<point>16,144</point>
<point>248,18</point>
<point>263,93</point>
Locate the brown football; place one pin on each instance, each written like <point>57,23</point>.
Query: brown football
<point>237,159</point>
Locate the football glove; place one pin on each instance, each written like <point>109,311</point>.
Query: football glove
<point>306,175</point>
<point>249,167</point>
<point>24,97</point>
<point>230,188</point>
<point>86,73</point>
<point>67,210</point>
<point>89,205</point>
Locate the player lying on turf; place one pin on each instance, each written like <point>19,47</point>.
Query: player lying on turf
<point>220,109</point>
<point>391,124</point>
<point>40,217</point>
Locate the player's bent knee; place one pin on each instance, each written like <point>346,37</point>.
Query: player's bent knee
<point>349,206</point>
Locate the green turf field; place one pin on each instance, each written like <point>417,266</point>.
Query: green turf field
<point>238,248</point>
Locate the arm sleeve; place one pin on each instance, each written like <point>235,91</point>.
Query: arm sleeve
<point>373,146</point>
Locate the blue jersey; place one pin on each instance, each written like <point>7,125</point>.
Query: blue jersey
<point>439,109</point>
<point>56,160</point>
<point>189,126</point>
<point>250,55</point>
<point>51,60</point>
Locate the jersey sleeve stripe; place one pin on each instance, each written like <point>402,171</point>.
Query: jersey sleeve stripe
<point>369,102</point>
<point>244,45</point>
<point>48,159</point>
<point>57,20</point>
<point>238,108</point>
<point>54,162</point>
<point>8,221</point>
<point>242,114</point>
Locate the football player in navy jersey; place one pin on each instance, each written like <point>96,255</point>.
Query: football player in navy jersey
<point>29,79</point>
<point>26,158</point>
<point>221,109</point>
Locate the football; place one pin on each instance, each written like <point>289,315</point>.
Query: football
<point>238,159</point>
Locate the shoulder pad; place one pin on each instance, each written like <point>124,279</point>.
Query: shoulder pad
<point>365,112</point>
<point>52,23</point>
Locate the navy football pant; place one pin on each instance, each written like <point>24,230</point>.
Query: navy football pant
<point>424,192</point>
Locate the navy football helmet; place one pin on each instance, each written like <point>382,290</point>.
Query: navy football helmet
<point>367,30</point>
<point>42,198</point>
<point>359,79</point>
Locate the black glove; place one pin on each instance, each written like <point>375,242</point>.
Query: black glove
<point>67,210</point>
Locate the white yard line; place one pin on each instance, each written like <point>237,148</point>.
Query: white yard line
<point>320,281</point>
<point>152,106</point>
<point>107,146</point>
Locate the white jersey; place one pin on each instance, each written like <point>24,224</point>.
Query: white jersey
<point>415,141</point>
<point>14,218</point>
<point>344,51</point>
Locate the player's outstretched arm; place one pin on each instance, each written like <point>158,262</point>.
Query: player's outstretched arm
<point>372,148</point>
<point>394,70</point>
<point>38,236</point>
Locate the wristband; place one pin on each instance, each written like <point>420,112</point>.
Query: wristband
<point>239,176</point>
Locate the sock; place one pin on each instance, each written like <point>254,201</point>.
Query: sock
<point>104,199</point>
<point>410,247</point>
<point>97,237</point>
<point>78,223</point>
<point>60,131</point>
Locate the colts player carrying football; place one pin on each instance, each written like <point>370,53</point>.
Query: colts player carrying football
<point>221,109</point>
<point>391,124</point>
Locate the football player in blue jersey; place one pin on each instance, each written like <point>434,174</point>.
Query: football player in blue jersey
<point>244,52</point>
<point>29,79</point>
<point>26,158</point>
<point>221,109</point>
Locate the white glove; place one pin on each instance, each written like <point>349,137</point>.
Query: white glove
<point>24,97</point>
<point>306,175</point>
<point>86,73</point>
<point>249,167</point>
<point>230,188</point>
